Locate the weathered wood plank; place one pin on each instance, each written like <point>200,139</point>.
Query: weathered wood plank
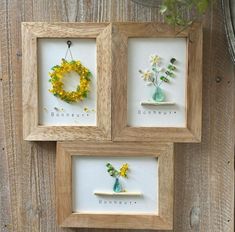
<point>10,127</point>
<point>221,134</point>
<point>203,172</point>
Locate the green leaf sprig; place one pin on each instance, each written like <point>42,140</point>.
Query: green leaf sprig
<point>175,12</point>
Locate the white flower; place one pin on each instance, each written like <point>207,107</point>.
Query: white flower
<point>146,75</point>
<point>154,59</point>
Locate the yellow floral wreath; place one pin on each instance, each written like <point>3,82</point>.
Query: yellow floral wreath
<point>57,75</point>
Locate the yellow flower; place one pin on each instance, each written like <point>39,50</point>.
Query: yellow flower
<point>123,170</point>
<point>154,59</point>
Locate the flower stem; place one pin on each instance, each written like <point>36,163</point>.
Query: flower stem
<point>155,81</point>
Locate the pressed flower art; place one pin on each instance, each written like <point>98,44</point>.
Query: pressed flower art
<point>57,75</point>
<point>158,75</point>
<point>116,174</point>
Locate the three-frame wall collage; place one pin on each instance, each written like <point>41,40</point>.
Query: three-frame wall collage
<point>115,97</point>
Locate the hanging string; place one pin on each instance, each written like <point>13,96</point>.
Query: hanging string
<point>69,43</point>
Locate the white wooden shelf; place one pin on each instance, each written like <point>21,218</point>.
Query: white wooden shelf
<point>110,193</point>
<point>151,103</point>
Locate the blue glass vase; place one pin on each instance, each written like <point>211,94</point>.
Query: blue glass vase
<point>117,188</point>
<point>158,95</point>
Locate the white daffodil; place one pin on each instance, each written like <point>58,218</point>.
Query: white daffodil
<point>154,59</point>
<point>146,75</point>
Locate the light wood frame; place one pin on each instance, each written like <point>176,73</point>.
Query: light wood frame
<point>120,129</point>
<point>33,31</point>
<point>65,216</point>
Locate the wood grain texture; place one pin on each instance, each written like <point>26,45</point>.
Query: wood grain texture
<point>121,131</point>
<point>65,216</point>
<point>32,130</point>
<point>203,172</point>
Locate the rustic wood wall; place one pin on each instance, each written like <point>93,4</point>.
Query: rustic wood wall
<point>203,172</point>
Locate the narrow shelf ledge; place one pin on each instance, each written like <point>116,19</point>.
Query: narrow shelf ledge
<point>106,193</point>
<point>149,103</point>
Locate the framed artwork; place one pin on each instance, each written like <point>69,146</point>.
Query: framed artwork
<point>66,81</point>
<point>156,82</point>
<point>114,185</point>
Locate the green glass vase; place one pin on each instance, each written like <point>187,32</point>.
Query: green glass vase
<point>158,95</point>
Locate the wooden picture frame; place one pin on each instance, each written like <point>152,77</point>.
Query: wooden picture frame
<point>66,218</point>
<point>191,131</point>
<point>32,32</point>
